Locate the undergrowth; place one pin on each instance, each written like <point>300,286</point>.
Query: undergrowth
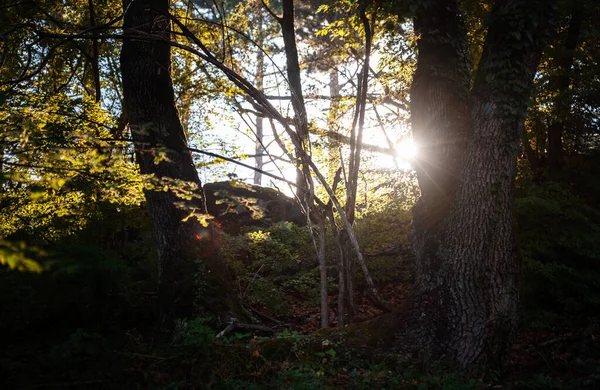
<point>89,321</point>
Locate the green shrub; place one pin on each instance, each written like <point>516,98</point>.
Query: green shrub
<point>559,236</point>
<point>195,333</point>
<point>273,265</point>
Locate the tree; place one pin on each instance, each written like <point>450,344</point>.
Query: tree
<point>464,305</point>
<point>192,279</point>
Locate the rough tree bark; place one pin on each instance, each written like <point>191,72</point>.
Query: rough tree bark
<point>191,278</point>
<point>467,275</point>
<point>464,304</point>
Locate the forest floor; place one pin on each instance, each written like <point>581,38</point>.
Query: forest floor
<point>539,359</point>
<point>92,325</point>
<point>133,358</point>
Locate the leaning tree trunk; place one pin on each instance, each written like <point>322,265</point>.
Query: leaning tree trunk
<point>260,75</point>
<point>464,304</point>
<point>191,278</point>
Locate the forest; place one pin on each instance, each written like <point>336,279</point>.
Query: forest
<point>280,194</point>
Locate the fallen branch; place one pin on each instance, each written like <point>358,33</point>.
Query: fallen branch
<point>142,355</point>
<point>261,314</point>
<point>235,325</point>
<point>227,330</point>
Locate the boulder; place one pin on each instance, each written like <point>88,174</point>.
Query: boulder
<point>236,204</point>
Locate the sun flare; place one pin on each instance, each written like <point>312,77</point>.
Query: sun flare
<point>404,155</point>
<point>407,150</point>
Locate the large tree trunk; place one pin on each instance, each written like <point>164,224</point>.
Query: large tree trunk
<point>191,279</point>
<point>463,232</point>
<point>464,304</point>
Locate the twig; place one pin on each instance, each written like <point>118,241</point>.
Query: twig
<point>252,281</point>
<point>270,11</point>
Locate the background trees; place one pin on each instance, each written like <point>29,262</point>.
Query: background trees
<point>565,105</point>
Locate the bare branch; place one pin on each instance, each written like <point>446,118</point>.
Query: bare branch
<point>270,11</point>
<point>215,155</point>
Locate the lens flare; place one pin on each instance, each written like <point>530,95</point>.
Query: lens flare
<point>407,149</point>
